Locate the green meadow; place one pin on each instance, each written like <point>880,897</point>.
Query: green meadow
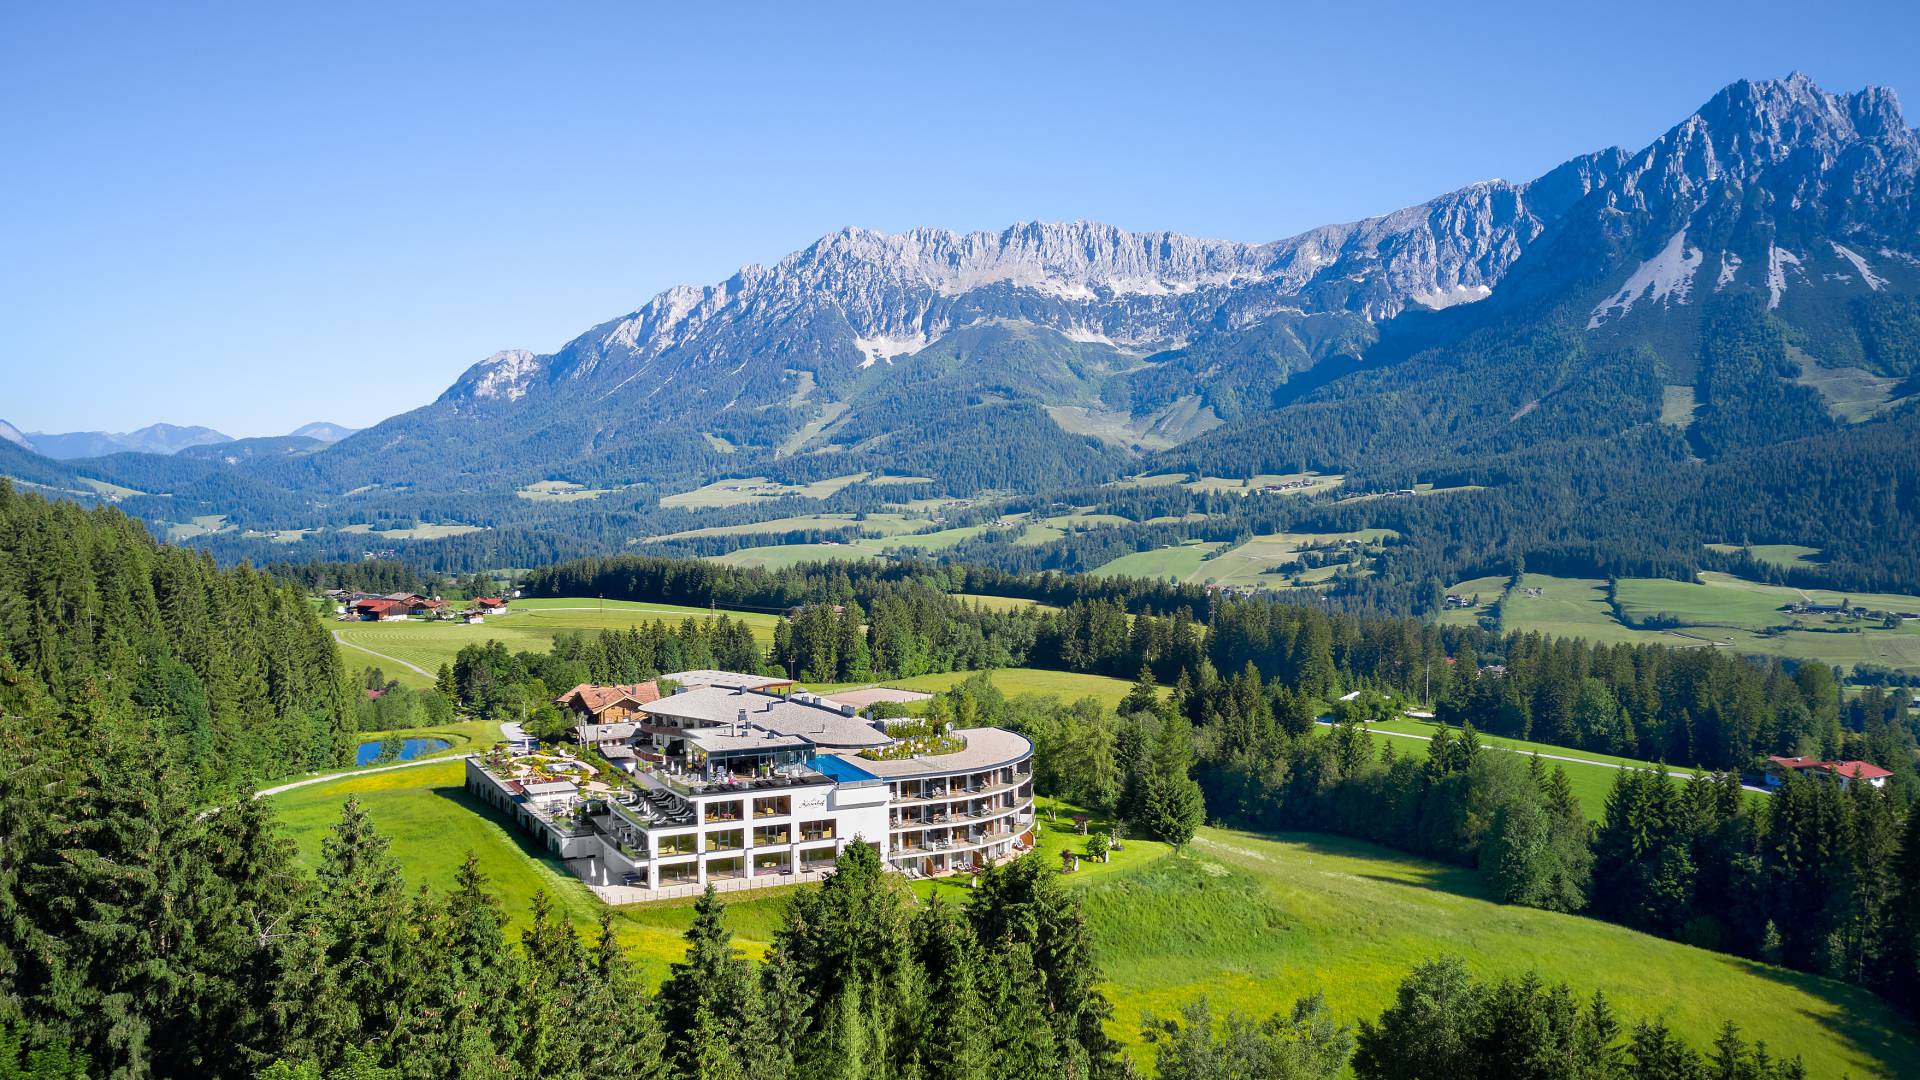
<point>1256,921</point>
<point>1590,774</point>
<point>781,556</point>
<point>1252,920</point>
<point>529,625</point>
<point>1065,685</point>
<point>1179,562</point>
<point>1262,562</point>
<point>737,492</point>
<point>1717,611</point>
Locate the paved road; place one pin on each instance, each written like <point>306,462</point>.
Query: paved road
<point>1684,774</point>
<point>384,656</point>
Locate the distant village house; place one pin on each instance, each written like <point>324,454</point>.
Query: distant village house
<point>1846,772</point>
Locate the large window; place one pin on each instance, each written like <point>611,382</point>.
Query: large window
<point>773,806</point>
<point>771,836</point>
<point>725,840</point>
<point>730,810</point>
<point>817,830</point>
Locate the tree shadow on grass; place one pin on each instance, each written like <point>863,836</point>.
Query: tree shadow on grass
<point>480,807</point>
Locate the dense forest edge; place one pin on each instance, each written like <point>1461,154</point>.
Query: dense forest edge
<point>156,925</point>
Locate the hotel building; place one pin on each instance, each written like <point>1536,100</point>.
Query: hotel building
<point>723,782</point>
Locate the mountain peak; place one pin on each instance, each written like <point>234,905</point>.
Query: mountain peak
<point>1796,111</point>
<point>14,435</point>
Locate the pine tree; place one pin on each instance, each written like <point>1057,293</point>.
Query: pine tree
<point>949,1032</point>
<point>1143,696</point>
<point>711,988</point>
<point>552,994</point>
<point>1174,807</point>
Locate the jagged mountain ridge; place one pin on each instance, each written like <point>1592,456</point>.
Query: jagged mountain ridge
<point>1091,282</point>
<point>1753,275</point>
<point>758,358</point>
<point>1151,339</point>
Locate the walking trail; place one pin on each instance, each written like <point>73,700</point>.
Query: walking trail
<point>1684,774</point>
<point>330,777</point>
<point>384,656</point>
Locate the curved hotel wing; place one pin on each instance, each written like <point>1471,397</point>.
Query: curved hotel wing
<point>723,783</point>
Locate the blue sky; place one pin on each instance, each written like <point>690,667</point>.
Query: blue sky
<point>252,216</point>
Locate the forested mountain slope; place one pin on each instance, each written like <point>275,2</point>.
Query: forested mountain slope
<point>1708,339</point>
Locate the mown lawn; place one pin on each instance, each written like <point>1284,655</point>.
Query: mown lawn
<point>529,625</point>
<point>1065,685</point>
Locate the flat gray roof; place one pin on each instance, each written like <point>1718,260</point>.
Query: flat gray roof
<point>723,740</point>
<point>986,748</point>
<point>716,707</point>
<point>866,696</point>
<point>731,679</point>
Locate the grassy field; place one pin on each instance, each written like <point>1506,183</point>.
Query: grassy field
<point>1312,483</point>
<point>1718,611</point>
<point>530,625</point>
<point>1001,603</point>
<point>1066,685</point>
<point>1256,921</point>
<point>1592,776</point>
<point>781,556</point>
<point>1253,921</point>
<point>738,492</point>
<point>1179,562</point>
<point>1260,562</point>
<point>887,523</point>
<point>1676,406</point>
<point>559,491</point>
<point>422,531</point>
<point>1781,555</point>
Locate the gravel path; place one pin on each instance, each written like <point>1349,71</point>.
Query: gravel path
<point>360,772</point>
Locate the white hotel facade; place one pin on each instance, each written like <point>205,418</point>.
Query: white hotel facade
<point>740,788</point>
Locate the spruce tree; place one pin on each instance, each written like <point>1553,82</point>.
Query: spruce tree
<point>1174,807</point>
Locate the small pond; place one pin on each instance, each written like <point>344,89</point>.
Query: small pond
<point>369,752</point>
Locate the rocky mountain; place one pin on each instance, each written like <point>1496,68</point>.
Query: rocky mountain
<point>1751,276</point>
<point>805,361</point>
<point>1747,284</point>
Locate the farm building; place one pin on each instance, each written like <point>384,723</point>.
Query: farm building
<point>1779,768</point>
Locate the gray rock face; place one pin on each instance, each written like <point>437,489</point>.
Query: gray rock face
<point>858,297</point>
<point>1772,185</point>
